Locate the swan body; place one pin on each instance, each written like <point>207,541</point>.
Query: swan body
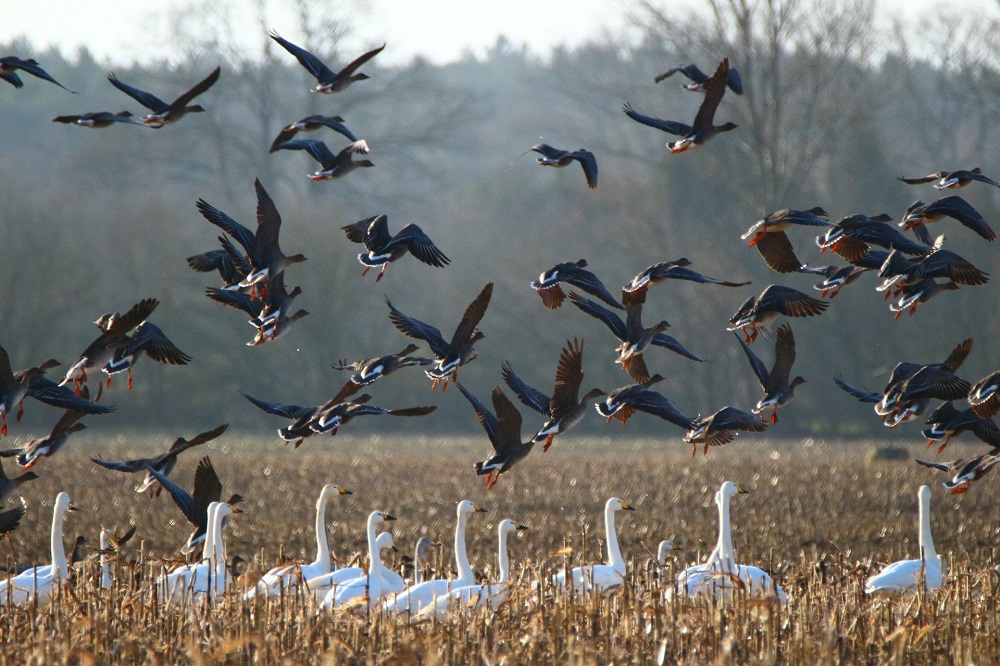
<point>600,578</point>
<point>478,596</point>
<point>320,585</point>
<point>39,583</point>
<point>287,577</point>
<point>904,577</point>
<point>413,599</point>
<point>369,585</point>
<point>210,576</point>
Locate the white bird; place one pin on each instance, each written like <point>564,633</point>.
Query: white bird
<point>666,546</point>
<point>211,575</point>
<point>39,583</point>
<point>600,578</point>
<point>320,585</point>
<point>478,596</point>
<point>413,599</point>
<point>370,585</point>
<point>905,576</point>
<point>286,577</point>
<point>720,576</point>
<point>106,558</point>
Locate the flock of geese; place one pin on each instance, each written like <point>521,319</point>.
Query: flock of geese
<point>252,268</point>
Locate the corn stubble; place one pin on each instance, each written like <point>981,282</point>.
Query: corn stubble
<point>819,518</point>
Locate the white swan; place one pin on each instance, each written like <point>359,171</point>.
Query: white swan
<point>320,585</point>
<point>600,578</point>
<point>478,596</point>
<point>286,577</point>
<point>414,598</point>
<point>370,584</point>
<point>720,576</point>
<point>39,583</point>
<point>666,546</point>
<point>211,576</point>
<point>905,576</point>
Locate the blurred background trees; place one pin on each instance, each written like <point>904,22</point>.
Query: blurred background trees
<point>835,108</point>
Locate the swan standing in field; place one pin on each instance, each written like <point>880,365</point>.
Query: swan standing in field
<point>320,585</point>
<point>286,577</point>
<point>905,576</point>
<point>210,576</point>
<point>478,596</point>
<point>38,583</point>
<point>720,575</point>
<point>413,599</point>
<point>600,578</point>
<point>370,584</point>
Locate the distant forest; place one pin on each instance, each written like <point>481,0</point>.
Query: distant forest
<point>834,110</point>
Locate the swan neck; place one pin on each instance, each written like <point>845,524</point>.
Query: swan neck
<point>218,546</point>
<point>504,562</point>
<point>105,559</point>
<point>418,566</point>
<point>58,551</point>
<point>322,545</point>
<point>927,551</point>
<point>374,561</point>
<point>615,558</point>
<point>461,556</point>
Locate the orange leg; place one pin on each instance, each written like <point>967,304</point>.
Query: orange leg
<point>774,416</point>
<point>694,449</point>
<point>834,293</point>
<point>824,293</point>
<point>20,411</point>
<point>381,272</point>
<point>946,440</point>
<point>704,451</point>
<point>365,272</point>
<point>548,442</point>
<point>129,379</point>
<point>435,384</point>
<point>912,310</point>
<point>3,431</point>
<point>898,315</point>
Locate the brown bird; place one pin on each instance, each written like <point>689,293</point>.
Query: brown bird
<point>778,391</point>
<point>758,311</point>
<point>769,237</point>
<point>328,80</point>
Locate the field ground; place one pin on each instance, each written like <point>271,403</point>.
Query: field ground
<point>819,517</point>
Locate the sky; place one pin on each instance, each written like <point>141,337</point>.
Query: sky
<point>439,30</point>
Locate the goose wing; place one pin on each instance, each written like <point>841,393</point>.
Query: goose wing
<point>148,100</point>
<point>531,397</point>
<point>420,246</point>
<point>313,64</point>
<point>417,329</point>
<point>668,126</point>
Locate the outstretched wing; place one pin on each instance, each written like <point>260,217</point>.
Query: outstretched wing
<point>287,411</point>
<point>419,245</point>
<point>486,418</point>
<point>315,66</point>
<point>668,126</point>
<point>531,397</point>
<point>150,101</point>
<point>415,328</point>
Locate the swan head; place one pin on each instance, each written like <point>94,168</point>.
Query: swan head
<point>507,526</point>
<point>331,489</point>
<point>63,503</point>
<point>616,504</point>
<point>924,495</point>
<point>666,546</point>
<point>385,540</point>
<point>377,517</point>
<point>225,509</point>
<point>466,507</point>
<point>729,489</point>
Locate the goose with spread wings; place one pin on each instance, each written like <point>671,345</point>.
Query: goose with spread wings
<point>564,409</point>
<point>778,390</point>
<point>768,236</point>
<point>758,311</point>
<point>623,402</point>
<point>333,166</point>
<point>9,65</point>
<point>451,355</point>
<point>573,273</point>
<point>328,81</point>
<point>699,79</point>
<point>504,432</point>
<point>162,112</point>
<point>315,122</point>
<point>947,180</point>
<point>163,463</point>
<point>704,127</point>
<point>385,248</point>
<point>555,157</point>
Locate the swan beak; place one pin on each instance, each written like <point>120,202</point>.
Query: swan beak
<point>478,508</point>
<point>522,527</point>
<point>386,516</point>
<point>237,509</point>
<point>394,549</point>
<point>344,491</point>
<point>72,507</point>
<point>627,507</point>
<point>740,490</point>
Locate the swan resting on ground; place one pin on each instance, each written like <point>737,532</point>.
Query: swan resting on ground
<point>370,583</point>
<point>287,577</point>
<point>475,597</point>
<point>40,583</point>
<point>721,576</point>
<point>600,578</point>
<point>413,599</point>
<point>904,577</point>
